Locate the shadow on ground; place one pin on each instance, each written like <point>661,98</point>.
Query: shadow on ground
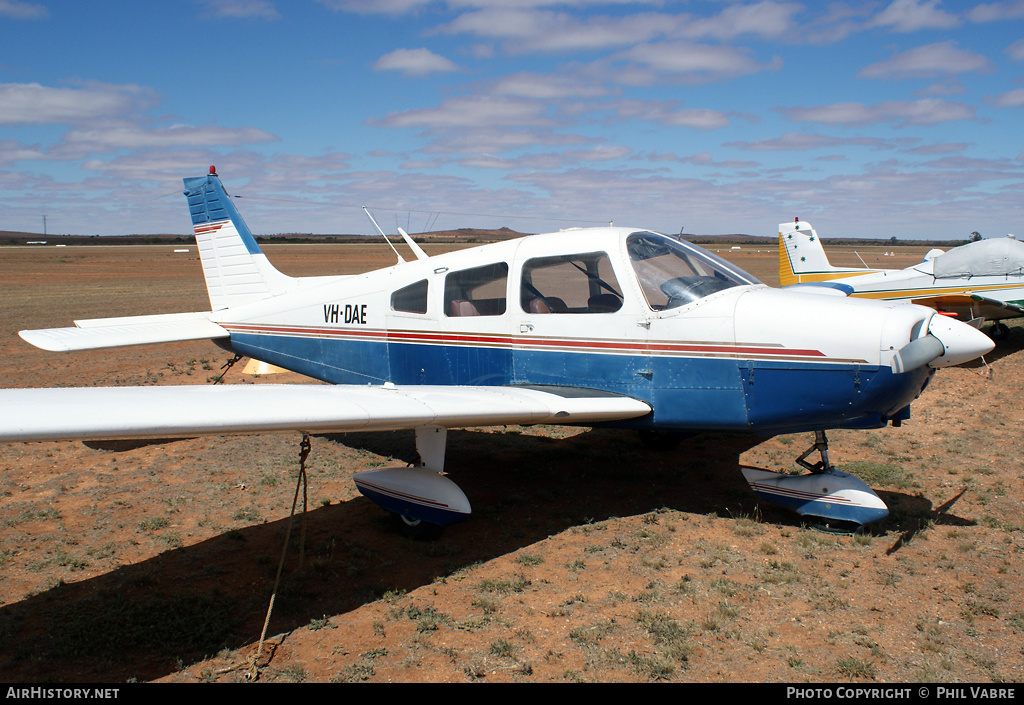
<point>144,621</point>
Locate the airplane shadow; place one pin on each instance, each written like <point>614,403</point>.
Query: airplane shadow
<point>143,621</point>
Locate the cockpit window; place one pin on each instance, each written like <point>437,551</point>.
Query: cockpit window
<point>674,273</point>
<point>575,283</point>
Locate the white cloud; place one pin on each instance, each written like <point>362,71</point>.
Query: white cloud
<point>915,15</point>
<point>497,141</point>
<point>939,148</point>
<point>600,153</point>
<point>471,112</point>
<point>104,139</point>
<point>763,19</point>
<point>927,111</point>
<point>800,141</point>
<point>546,87</point>
<point>695,62</point>
<point>373,7</point>
<point>670,114</point>
<point>997,11</point>
<point>415,62</point>
<point>942,58</point>
<point>16,10</point>
<point>526,29</point>
<point>1016,50</point>
<point>170,165</point>
<point>247,9</point>
<point>13,151</point>
<point>32,103</point>
<point>1010,99</point>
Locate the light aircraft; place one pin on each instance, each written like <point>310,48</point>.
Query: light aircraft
<point>980,281</point>
<point>601,326</point>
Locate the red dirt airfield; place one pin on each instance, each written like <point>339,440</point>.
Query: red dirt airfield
<point>589,557</point>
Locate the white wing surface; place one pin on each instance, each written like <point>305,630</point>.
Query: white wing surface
<point>105,413</point>
<point>129,330</point>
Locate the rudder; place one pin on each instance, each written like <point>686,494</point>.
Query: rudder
<point>236,270</point>
<point>802,259</point>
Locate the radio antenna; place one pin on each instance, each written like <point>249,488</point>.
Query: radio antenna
<point>383,235</point>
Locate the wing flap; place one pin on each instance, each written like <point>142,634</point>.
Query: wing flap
<point>104,413</point>
<point>95,333</point>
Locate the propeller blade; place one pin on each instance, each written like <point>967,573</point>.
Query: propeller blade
<point>917,353</point>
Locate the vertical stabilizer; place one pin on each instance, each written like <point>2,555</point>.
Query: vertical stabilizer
<point>802,259</point>
<point>236,270</point>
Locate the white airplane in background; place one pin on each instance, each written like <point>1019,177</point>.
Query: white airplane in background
<point>979,281</point>
<point>603,326</point>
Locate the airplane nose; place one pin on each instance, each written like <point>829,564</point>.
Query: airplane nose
<point>944,342</point>
<point>962,343</point>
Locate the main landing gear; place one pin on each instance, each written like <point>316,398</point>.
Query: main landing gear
<point>840,501</point>
<point>422,498</point>
<point>999,331</point>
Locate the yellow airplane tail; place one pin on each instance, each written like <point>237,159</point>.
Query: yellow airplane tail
<point>802,259</point>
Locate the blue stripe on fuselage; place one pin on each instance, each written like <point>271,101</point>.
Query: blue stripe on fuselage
<point>724,394</point>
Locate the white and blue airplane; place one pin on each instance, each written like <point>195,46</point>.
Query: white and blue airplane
<point>605,326</point>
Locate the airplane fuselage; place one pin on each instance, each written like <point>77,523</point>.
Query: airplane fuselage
<point>949,295</point>
<point>743,358</point>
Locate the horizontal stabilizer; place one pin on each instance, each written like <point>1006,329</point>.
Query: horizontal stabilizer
<point>131,330</point>
<point>111,413</point>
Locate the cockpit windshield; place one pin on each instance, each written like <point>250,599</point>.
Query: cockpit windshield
<point>674,273</point>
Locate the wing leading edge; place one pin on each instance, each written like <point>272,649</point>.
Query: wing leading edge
<point>104,413</point>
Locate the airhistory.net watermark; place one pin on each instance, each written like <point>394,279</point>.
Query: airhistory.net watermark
<point>48,693</point>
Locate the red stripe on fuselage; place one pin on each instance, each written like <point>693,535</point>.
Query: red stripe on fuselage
<point>521,342</point>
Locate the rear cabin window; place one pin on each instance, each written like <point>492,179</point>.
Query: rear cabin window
<point>480,291</point>
<point>411,299</point>
<point>576,283</point>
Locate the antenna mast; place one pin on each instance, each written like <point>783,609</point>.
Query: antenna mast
<point>383,235</point>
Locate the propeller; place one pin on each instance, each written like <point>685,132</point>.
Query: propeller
<point>917,353</point>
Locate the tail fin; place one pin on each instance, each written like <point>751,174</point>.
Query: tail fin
<point>236,270</point>
<point>802,259</point>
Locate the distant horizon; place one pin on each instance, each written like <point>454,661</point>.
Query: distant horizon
<point>449,236</point>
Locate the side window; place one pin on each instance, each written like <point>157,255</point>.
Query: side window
<point>476,292</point>
<point>578,283</point>
<point>411,299</point>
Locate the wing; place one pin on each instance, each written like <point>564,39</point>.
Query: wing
<point>130,330</point>
<point>103,413</point>
<point>996,303</point>
<point>971,305</point>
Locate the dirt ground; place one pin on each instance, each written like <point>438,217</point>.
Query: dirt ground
<point>589,557</point>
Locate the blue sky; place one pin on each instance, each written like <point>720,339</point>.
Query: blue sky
<point>869,119</point>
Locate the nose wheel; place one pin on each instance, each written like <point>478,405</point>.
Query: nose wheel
<point>414,528</point>
<point>836,499</point>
